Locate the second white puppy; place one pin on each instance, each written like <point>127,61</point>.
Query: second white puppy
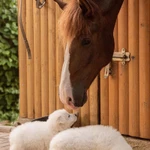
<point>96,137</point>
<point>37,135</point>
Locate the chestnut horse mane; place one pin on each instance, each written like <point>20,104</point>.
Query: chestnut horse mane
<point>73,22</point>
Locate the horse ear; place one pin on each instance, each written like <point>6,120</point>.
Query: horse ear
<point>61,3</point>
<point>107,6</point>
<point>86,7</point>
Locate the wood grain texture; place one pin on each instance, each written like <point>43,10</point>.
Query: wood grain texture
<point>37,62</point>
<point>123,70</point>
<point>144,64</point>
<point>113,88</point>
<point>44,61</point>
<point>22,66</point>
<point>52,55</point>
<point>133,46</point>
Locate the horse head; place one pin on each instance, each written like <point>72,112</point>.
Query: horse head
<point>86,28</point>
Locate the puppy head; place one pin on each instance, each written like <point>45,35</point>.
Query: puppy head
<point>61,119</point>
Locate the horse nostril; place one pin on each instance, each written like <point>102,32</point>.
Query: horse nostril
<point>69,99</point>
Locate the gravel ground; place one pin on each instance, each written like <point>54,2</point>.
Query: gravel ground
<point>138,144</point>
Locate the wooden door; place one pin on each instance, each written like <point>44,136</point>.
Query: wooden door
<point>125,94</point>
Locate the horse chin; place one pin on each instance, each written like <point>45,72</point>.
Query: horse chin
<point>72,107</point>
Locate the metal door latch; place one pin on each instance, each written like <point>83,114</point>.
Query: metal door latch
<point>122,57</point>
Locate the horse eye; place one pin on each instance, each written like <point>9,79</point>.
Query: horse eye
<point>86,41</point>
<point>68,116</point>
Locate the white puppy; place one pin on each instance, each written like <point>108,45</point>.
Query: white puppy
<point>37,135</point>
<point>96,137</point>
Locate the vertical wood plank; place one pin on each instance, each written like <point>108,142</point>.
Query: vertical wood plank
<point>30,62</point>
<point>85,113</point>
<point>59,58</point>
<point>113,88</point>
<point>44,61</point>
<point>37,63</point>
<point>144,64</point>
<point>93,100</point>
<point>104,99</point>
<point>52,55</point>
<point>123,70</point>
<point>78,122</point>
<point>22,67</point>
<point>133,46</point>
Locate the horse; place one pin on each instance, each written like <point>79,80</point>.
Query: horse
<point>86,29</point>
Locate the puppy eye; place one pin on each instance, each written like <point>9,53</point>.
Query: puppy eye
<point>85,41</point>
<point>68,116</point>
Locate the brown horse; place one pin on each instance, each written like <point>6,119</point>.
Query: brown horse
<point>86,28</point>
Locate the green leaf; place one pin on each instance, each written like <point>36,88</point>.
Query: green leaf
<point>9,76</point>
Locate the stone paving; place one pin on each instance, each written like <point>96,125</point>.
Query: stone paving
<point>4,143</point>
<point>4,136</point>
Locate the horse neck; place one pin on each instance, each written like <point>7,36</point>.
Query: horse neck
<point>117,5</point>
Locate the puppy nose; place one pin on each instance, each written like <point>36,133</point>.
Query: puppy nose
<point>76,114</point>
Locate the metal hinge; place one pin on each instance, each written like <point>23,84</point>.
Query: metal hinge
<point>122,57</point>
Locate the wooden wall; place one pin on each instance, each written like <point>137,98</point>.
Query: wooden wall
<point>125,95</point>
<point>122,100</point>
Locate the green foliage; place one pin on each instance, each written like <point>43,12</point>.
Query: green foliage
<point>8,60</point>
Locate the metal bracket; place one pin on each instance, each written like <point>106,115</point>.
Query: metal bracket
<point>122,56</point>
<point>39,4</point>
<point>107,71</point>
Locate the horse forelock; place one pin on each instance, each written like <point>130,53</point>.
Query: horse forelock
<point>72,21</point>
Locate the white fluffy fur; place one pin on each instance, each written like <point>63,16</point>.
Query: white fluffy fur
<point>37,135</point>
<point>95,137</point>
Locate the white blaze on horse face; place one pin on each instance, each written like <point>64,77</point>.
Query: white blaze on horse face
<point>65,88</point>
